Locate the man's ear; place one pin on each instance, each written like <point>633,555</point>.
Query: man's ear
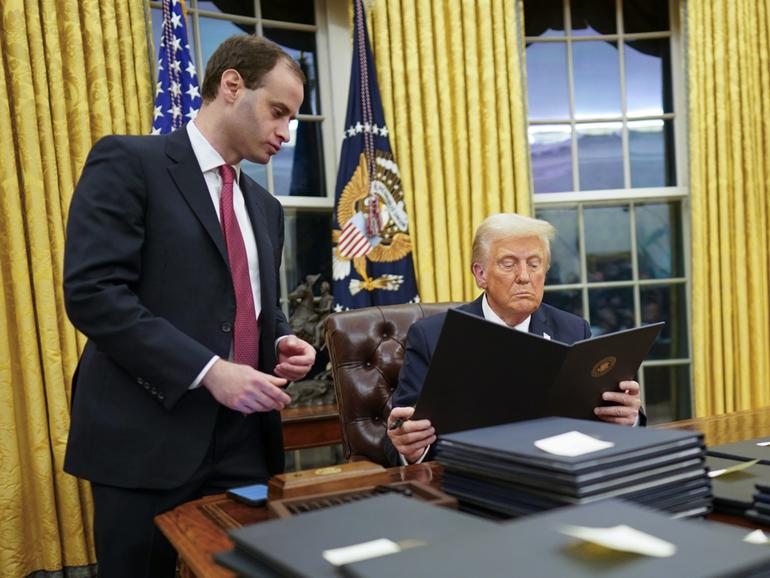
<point>480,275</point>
<point>229,85</point>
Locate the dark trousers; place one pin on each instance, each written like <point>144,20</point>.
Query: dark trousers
<point>128,544</point>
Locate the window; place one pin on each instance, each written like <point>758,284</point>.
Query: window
<point>604,124</point>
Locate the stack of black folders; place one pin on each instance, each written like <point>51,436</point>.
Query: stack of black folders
<point>611,539</point>
<point>502,472</point>
<point>742,480</point>
<point>295,546</point>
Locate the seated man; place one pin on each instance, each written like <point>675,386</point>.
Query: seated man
<point>511,256</point>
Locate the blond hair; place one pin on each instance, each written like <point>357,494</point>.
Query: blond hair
<point>510,225</point>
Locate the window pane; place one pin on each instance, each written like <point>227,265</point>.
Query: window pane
<point>645,16</point>
<point>547,81</point>
<point>239,7</point>
<point>301,11</point>
<point>565,251</point>
<point>307,247</point>
<point>611,310</point>
<point>651,152</point>
<point>214,32</point>
<point>301,46</point>
<point>600,155</point>
<point>551,148</point>
<point>666,303</point>
<point>298,166</point>
<point>659,241</point>
<point>667,393</point>
<point>570,301</point>
<point>597,79</point>
<point>591,17</point>
<point>608,243</point>
<point>648,77</point>
<point>255,171</point>
<point>544,17</point>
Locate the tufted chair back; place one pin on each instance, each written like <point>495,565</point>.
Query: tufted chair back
<point>366,349</point>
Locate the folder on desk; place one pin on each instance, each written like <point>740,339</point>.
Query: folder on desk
<point>483,373</point>
<point>294,546</point>
<point>538,546</point>
<point>734,492</point>
<point>502,469</point>
<point>755,449</point>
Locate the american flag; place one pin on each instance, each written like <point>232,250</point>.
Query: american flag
<point>177,97</point>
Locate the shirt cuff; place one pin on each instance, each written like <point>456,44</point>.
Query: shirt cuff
<point>403,461</point>
<point>197,383</point>
<point>277,341</point>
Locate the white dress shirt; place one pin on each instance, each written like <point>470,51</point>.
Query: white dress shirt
<point>210,161</point>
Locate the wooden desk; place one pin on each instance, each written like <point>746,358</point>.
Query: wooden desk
<point>310,427</point>
<point>729,427</point>
<point>197,529</point>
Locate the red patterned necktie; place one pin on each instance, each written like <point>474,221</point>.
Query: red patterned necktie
<point>246,330</point>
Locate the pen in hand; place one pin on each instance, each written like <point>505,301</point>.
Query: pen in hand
<point>396,423</point>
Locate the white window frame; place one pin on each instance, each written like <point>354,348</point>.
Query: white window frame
<point>630,197</point>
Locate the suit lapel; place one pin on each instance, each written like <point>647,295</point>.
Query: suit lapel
<point>538,324</point>
<point>474,307</point>
<point>186,173</point>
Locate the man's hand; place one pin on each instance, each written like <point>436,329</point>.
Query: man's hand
<point>244,389</point>
<point>627,412</point>
<point>295,358</point>
<point>412,437</point>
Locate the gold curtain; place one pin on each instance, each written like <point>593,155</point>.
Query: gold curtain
<point>729,106</point>
<point>71,71</point>
<point>451,75</point>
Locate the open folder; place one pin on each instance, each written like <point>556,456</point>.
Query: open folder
<point>485,374</point>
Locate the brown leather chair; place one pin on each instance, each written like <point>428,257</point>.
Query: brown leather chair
<point>366,349</point>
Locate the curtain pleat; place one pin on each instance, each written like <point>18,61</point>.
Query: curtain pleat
<point>450,74</point>
<point>729,116</point>
<point>70,72</point>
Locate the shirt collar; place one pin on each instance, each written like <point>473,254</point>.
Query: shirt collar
<point>208,158</point>
<point>490,315</point>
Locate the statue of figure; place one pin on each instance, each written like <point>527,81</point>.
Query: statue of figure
<point>304,317</point>
<point>307,321</point>
<point>323,309</point>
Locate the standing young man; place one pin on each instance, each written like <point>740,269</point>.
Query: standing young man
<point>171,271</point>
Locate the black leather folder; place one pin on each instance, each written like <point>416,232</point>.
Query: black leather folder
<point>483,373</point>
<point>744,451</point>
<point>734,492</point>
<point>534,547</point>
<point>515,442</point>
<point>629,470</point>
<point>293,547</point>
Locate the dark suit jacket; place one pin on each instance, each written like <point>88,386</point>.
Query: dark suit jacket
<point>146,279</point>
<point>423,336</point>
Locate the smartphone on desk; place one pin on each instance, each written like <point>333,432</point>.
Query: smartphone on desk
<point>255,495</point>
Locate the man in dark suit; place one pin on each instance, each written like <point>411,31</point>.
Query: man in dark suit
<point>178,390</point>
<point>510,259</point>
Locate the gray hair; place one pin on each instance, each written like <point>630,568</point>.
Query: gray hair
<point>510,225</point>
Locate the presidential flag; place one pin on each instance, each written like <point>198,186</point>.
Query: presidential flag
<point>372,255</point>
<point>177,96</point>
